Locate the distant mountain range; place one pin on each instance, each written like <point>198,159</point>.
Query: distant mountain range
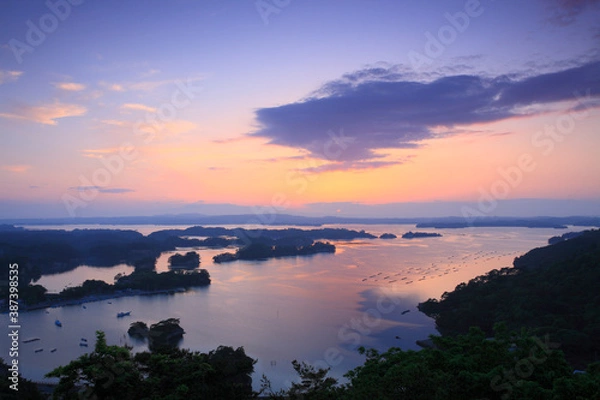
<point>287,219</point>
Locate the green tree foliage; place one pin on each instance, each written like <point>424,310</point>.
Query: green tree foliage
<point>90,286</point>
<point>261,249</point>
<point>314,385</point>
<point>109,372</point>
<point>112,372</point>
<point>462,367</point>
<point>33,294</point>
<point>151,280</point>
<point>553,290</point>
<point>190,260</point>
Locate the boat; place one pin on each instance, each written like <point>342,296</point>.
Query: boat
<point>83,344</point>
<point>38,350</point>
<point>53,350</point>
<point>123,314</point>
<point>33,339</point>
<point>57,323</point>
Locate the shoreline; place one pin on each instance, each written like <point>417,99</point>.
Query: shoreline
<point>94,298</point>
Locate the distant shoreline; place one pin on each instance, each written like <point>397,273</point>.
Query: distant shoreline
<point>287,219</point>
<point>95,298</point>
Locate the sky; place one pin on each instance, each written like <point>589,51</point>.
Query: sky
<point>354,108</point>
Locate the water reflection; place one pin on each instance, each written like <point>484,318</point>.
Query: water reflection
<point>57,282</point>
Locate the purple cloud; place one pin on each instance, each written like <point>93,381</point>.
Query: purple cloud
<point>375,109</point>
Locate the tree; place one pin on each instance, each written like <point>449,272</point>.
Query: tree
<point>109,372</point>
<point>472,366</point>
<point>314,385</point>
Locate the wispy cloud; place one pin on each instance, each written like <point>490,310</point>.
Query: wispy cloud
<point>70,86</point>
<point>380,109</point>
<point>98,153</point>
<point>45,114</point>
<point>115,122</point>
<point>115,87</point>
<point>351,166</point>
<point>102,189</point>
<point>150,85</point>
<point>170,128</point>
<point>236,139</point>
<point>138,107</point>
<point>150,73</point>
<point>146,85</point>
<point>17,169</point>
<point>9,76</point>
<point>565,12</point>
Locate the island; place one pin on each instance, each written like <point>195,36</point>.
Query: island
<point>189,260</point>
<point>165,334</point>
<point>416,235</point>
<point>388,236</point>
<point>263,251</point>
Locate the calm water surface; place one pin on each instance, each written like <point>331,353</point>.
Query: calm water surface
<point>317,309</point>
